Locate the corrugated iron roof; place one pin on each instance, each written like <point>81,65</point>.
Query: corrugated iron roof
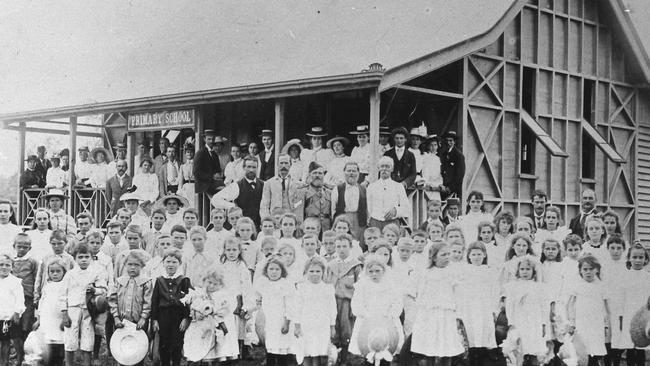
<point>57,54</point>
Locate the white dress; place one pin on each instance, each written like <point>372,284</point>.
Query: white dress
<point>361,155</point>
<point>40,243</point>
<point>226,347</point>
<point>237,279</point>
<point>7,234</point>
<point>542,235</point>
<point>435,332</point>
<point>316,313</point>
<point>147,186</point>
<point>431,173</point>
<point>496,253</point>
<point>297,169</point>
<point>469,224</point>
<point>373,300</point>
<point>528,308</point>
<point>100,173</point>
<point>50,312</point>
<point>418,159</point>
<point>636,289</point>
<point>590,315</point>
<point>234,171</point>
<point>478,302</point>
<point>277,297</point>
<point>187,181</point>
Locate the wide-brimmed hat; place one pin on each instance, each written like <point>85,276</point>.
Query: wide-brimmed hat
<point>420,131</point>
<point>384,130</point>
<point>119,146</point>
<point>107,154</point>
<point>55,192</point>
<point>316,132</point>
<point>378,335</point>
<point>182,201</point>
<point>361,130</point>
<point>292,142</point>
<point>31,158</point>
<point>640,327</point>
<point>220,139</point>
<point>129,345</point>
<point>130,196</point>
<point>331,141</point>
<point>267,133</point>
<point>83,148</point>
<point>199,339</point>
<point>450,134</point>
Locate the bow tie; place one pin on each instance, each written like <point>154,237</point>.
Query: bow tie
<point>95,257</point>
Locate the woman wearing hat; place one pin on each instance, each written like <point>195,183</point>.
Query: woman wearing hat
<point>293,148</point>
<point>30,178</point>
<point>186,184</point>
<point>417,135</point>
<point>335,167</point>
<point>317,153</point>
<point>55,176</point>
<point>431,177</point>
<point>234,171</point>
<point>146,183</point>
<point>361,153</point>
<point>101,172</point>
<point>58,218</point>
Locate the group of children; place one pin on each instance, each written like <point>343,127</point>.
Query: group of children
<point>479,290</point>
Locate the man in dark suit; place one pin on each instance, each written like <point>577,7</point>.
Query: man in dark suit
<point>349,200</point>
<point>267,156</point>
<point>43,164</point>
<point>31,178</point>
<point>452,166</point>
<point>587,208</point>
<point>245,193</point>
<point>117,185</point>
<point>207,169</point>
<point>404,169</point>
<point>538,198</point>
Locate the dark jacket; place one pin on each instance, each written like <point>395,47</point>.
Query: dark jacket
<point>267,170</point>
<point>531,216</point>
<point>577,224</point>
<point>30,178</point>
<point>205,167</point>
<point>405,169</point>
<point>452,169</point>
<point>114,192</point>
<point>249,199</point>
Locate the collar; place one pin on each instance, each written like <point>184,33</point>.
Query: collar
<point>346,260</point>
<point>317,148</point>
<point>124,280</point>
<point>250,181</point>
<point>173,277</point>
<point>270,149</point>
<point>348,185</point>
<point>397,148</point>
<point>538,217</point>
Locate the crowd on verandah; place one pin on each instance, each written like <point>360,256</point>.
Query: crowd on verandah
<point>314,263</point>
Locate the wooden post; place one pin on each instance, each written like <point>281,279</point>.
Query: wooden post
<point>130,153</point>
<point>198,142</point>
<point>375,99</point>
<point>73,160</point>
<point>278,139</point>
<point>21,169</point>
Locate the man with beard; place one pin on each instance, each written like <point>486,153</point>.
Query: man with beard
<point>245,193</point>
<point>207,169</point>
<point>315,201</point>
<point>587,208</point>
<point>280,191</point>
<point>387,202</point>
<point>349,200</point>
<point>117,185</point>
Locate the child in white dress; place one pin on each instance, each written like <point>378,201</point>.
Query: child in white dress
<point>595,239</point>
<point>48,315</point>
<point>474,215</point>
<point>588,309</point>
<point>520,245</point>
<point>435,332</point>
<point>478,302</point>
<point>375,300</point>
<point>315,315</point>
<point>503,222</point>
<point>552,275</point>
<point>275,293</point>
<point>528,308</point>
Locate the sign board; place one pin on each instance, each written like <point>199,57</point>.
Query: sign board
<point>161,120</point>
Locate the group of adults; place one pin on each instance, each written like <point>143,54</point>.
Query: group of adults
<point>588,202</point>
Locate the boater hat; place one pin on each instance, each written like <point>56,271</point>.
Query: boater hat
<point>199,339</point>
<point>450,134</point>
<point>331,141</point>
<point>267,133</point>
<point>384,130</point>
<point>55,192</point>
<point>316,132</point>
<point>182,201</point>
<point>361,130</point>
<point>129,345</point>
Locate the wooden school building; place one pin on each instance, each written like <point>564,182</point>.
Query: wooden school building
<point>546,94</point>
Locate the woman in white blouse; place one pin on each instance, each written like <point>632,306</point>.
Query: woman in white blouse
<point>334,175</point>
<point>100,171</point>
<point>431,176</point>
<point>418,134</point>
<point>186,184</point>
<point>361,153</point>
<point>293,148</point>
<point>146,183</point>
<point>234,170</point>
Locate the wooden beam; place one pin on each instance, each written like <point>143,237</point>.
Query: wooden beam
<point>430,91</point>
<point>73,159</point>
<point>198,143</point>
<point>375,109</point>
<point>278,139</point>
<point>55,132</point>
<point>21,169</point>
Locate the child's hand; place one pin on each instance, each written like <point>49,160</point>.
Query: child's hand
<point>184,324</point>
<point>90,288</point>
<point>297,331</point>
<point>67,322</point>
<point>285,327</point>
<point>155,326</point>
<point>37,323</point>
<point>141,323</point>
<point>118,324</point>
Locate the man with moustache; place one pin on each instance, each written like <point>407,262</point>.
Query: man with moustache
<point>245,193</point>
<point>587,208</point>
<point>207,168</point>
<point>315,201</point>
<point>387,202</point>
<point>280,190</point>
<point>117,185</point>
<point>349,200</point>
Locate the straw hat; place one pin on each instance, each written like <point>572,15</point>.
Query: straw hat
<point>182,201</point>
<point>384,130</point>
<point>267,133</point>
<point>377,335</point>
<point>129,196</point>
<point>55,192</point>
<point>107,154</point>
<point>292,142</point>
<point>331,141</point>
<point>419,131</point>
<point>640,327</point>
<point>31,158</point>
<point>199,339</point>
<point>450,135</point>
<point>316,132</point>
<point>129,345</point>
<point>361,130</point>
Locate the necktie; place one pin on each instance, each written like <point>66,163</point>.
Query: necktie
<point>284,187</point>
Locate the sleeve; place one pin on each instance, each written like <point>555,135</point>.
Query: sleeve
<point>110,273</point>
<point>38,283</point>
<point>226,196</point>
<point>65,287</point>
<point>509,305</point>
<point>112,301</point>
<point>370,200</point>
<point>185,287</point>
<point>331,305</point>
<point>147,291</point>
<point>299,303</point>
<point>101,283</point>
<point>460,170</point>
<point>357,304</point>
<point>404,209</point>
<point>154,190</point>
<point>247,293</point>
<point>19,297</point>
<point>23,180</point>
<point>265,203</point>
<point>155,300</point>
<point>334,198</point>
